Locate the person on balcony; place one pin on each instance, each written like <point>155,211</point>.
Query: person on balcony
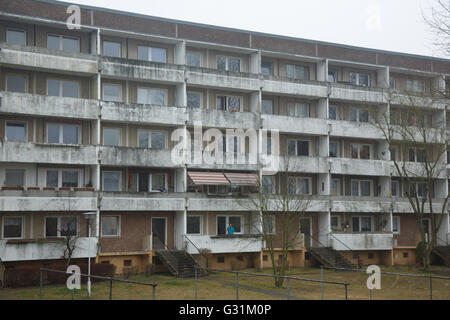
<point>230,229</point>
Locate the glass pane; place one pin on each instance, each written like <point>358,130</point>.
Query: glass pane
<point>14,178</point>
<point>194,100</point>
<point>422,190</point>
<point>142,96</point>
<point>193,59</point>
<point>366,224</point>
<point>365,152</point>
<point>268,224</point>
<point>266,68</point>
<point>234,104</point>
<point>355,224</point>
<point>334,187</point>
<point>421,155</point>
<point>111,181</point>
<point>303,186</point>
<point>70,89</point>
<point>71,44</point>
<point>292,148</point>
<point>333,150</point>
<point>52,179</point>
<point>234,65</point>
<point>355,188</point>
<point>353,115</point>
<point>395,224</point>
<point>290,71</point>
<point>110,226</point>
<point>143,139</point>
<point>51,227</point>
<point>301,73</point>
<point>365,188</point>
<point>52,133</point>
<point>334,223</point>
<point>364,80</point>
<point>16,37</point>
<point>111,49</point>
<point>111,137</point>
<point>70,179</point>
<point>159,182</point>
<point>159,55</point>
<point>143,53</point>
<point>267,107</point>
<point>291,110</point>
<point>394,188</point>
<point>363,116</point>
<point>303,148</point>
<point>193,225</point>
<point>221,102</point>
<point>302,110</point>
<point>16,132</point>
<point>68,226</point>
<point>144,182</point>
<point>332,76</point>
<point>158,140</point>
<point>158,97</point>
<point>412,155</point>
<point>353,78</point>
<point>52,42</point>
<point>292,186</point>
<point>12,227</point>
<point>16,83</point>
<point>267,185</point>
<point>70,134</point>
<point>236,223</point>
<point>111,92</point>
<point>221,63</point>
<point>53,87</point>
<point>332,113</point>
<point>221,225</point>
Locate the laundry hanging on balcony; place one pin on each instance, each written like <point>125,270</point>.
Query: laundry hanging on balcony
<point>205,178</point>
<point>242,179</point>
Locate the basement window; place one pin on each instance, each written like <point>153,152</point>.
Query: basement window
<point>127,263</point>
<point>221,259</point>
<point>15,36</point>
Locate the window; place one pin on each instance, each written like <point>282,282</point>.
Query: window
<point>359,79</point>
<point>63,133</point>
<point>194,100</point>
<point>405,255</point>
<point>395,189</point>
<point>391,83</point>
<point>228,64</point>
<point>334,149</point>
<point>417,155</point>
<point>332,112</point>
<point>152,139</point>
<point>362,224</point>
<point>152,182</point>
<point>112,92</point>
<point>193,225</point>
<point>152,96</point>
<point>16,132</point>
<point>360,151</point>
<point>396,224</point>
<point>62,88</point>
<point>335,186</point>
<point>111,137</point>
<point>228,103</point>
<point>61,227</point>
<point>223,223</point>
<point>269,224</point>
<point>110,226</point>
<point>12,227</point>
<point>361,188</point>
<point>15,36</point>
<point>394,116</point>
<point>298,185</point>
<point>58,42</point>
<point>127,263</point>
<point>14,177</point>
<point>370,255</point>
<point>52,178</point>
<point>220,259</point>
<point>16,83</point>
<point>393,152</point>
<point>68,178</point>
<point>111,49</point>
<point>268,185</point>
<point>335,223</point>
<point>152,54</point>
<point>298,148</point>
<point>194,59</point>
<point>111,181</point>
<point>300,110</point>
<point>297,72</point>
<point>332,76</point>
<point>267,106</point>
<point>415,85</point>
<point>266,68</point>
<point>360,115</point>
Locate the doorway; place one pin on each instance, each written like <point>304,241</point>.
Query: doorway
<point>159,232</point>
<point>306,229</point>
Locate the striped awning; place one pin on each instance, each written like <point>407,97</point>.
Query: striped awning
<point>242,179</point>
<point>213,178</point>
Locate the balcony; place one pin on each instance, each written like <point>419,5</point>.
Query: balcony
<point>46,59</point>
<point>287,86</point>
<point>223,119</point>
<point>48,153</point>
<point>144,201</point>
<point>361,241</point>
<point>223,202</point>
<point>224,243</point>
<point>136,157</point>
<point>348,92</point>
<point>303,164</point>
<point>360,204</point>
<point>286,124</point>
<point>138,70</point>
<point>224,161</point>
<point>45,249</point>
<point>143,113</point>
<point>352,129</point>
<point>347,166</point>
<point>34,104</point>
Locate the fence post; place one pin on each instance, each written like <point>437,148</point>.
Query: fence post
<point>288,289</point>
<point>346,297</point>
<point>195,272</point>
<point>73,293</point>
<point>237,285</point>
<point>154,292</point>
<point>110,288</point>
<point>370,294</point>
<point>321,278</point>
<point>431,288</point>
<point>40,285</point>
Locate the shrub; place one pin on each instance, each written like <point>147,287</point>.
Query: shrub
<point>22,277</point>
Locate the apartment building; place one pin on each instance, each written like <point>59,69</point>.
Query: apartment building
<point>87,118</point>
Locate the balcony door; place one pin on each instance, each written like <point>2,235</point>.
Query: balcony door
<point>305,228</point>
<point>159,232</point>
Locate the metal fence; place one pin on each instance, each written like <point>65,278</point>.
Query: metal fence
<point>107,279</point>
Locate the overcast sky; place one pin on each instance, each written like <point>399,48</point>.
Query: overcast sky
<point>394,25</point>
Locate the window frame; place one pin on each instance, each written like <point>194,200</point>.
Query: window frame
<point>22,231</point>
<point>195,53</point>
<point>150,132</point>
<point>307,68</point>
<point>296,147</point>
<point>398,224</point>
<point>414,83</point>
<point>359,187</point>
<point>227,66</point>
<point>337,149</point>
<point>359,224</point>
<point>274,226</point>
<point>16,169</point>
<point>58,227</point>
<point>111,41</point>
<point>241,102</point>
<point>358,81</point>
<point>60,87</point>
<point>271,101</point>
<point>61,133</point>
<point>60,176</point>
<point>398,189</point>
<point>16,75</point>
<point>227,223</point>
<point>200,224</point>
<point>295,105</point>
<point>271,68</point>
<point>338,223</point>
<point>149,55</point>
<point>195,93</point>
<point>338,187</point>
<point>119,226</point>
<point>19,30</point>
<point>120,180</point>
<point>272,178</point>
<point>112,128</point>
<point>60,41</point>
<point>360,146</point>
<point>115,85</point>
<point>25,123</point>
<point>310,186</point>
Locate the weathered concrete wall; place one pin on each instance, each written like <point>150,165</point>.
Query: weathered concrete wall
<point>365,241</point>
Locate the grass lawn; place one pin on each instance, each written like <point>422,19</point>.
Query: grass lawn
<point>221,286</point>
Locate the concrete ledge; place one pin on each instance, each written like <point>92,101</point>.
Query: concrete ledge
<point>142,204</point>
<point>127,156</point>
<point>360,167</point>
<point>286,124</point>
<point>47,204</point>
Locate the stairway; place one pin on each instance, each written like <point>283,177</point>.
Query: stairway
<point>443,252</point>
<point>331,258</point>
<point>179,263</point>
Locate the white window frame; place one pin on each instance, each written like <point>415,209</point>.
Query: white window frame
<point>119,99</point>
<point>61,132</point>
<point>109,41</point>
<point>296,147</point>
<point>398,224</point>
<point>119,227</point>
<point>358,75</point>
<point>150,132</point>
<point>60,175</point>
<point>196,93</point>
<point>17,122</point>
<point>149,49</point>
<point>196,53</point>
<point>60,87</point>
<point>227,223</point>
<point>296,185</point>
<point>359,147</point>
<point>21,232</point>
<point>149,94</point>
<point>112,171</point>
<point>150,182</point>
<point>295,104</point>
<point>60,36</point>
<point>359,224</point>
<point>359,187</point>
<point>58,227</point>
<point>201,224</point>
<point>227,68</point>
<point>19,30</point>
<point>112,128</point>
<point>17,75</point>
<point>241,102</point>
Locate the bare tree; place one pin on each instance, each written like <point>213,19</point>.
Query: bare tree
<point>437,18</point>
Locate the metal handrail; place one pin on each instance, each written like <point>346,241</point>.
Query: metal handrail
<point>201,253</point>
<point>345,245</point>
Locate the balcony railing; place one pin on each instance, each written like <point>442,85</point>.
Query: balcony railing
<point>225,243</point>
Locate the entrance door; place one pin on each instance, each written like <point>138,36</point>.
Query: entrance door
<point>305,228</point>
<point>159,233</point>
